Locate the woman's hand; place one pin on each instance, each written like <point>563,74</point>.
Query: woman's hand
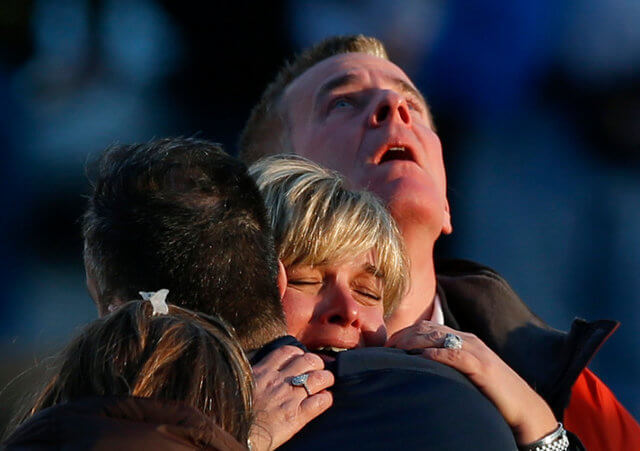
<point>281,408</point>
<point>528,415</point>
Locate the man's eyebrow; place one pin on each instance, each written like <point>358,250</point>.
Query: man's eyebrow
<point>346,79</point>
<point>408,88</point>
<point>335,82</point>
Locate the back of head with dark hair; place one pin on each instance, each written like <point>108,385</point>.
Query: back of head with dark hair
<point>182,214</point>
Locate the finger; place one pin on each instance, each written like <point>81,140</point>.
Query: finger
<point>315,405</point>
<point>297,415</point>
<point>400,336</point>
<point>433,335</point>
<point>461,360</point>
<point>425,335</point>
<point>422,334</point>
<point>302,364</point>
<point>319,380</point>
<point>431,339</point>
<point>278,358</point>
<point>425,327</point>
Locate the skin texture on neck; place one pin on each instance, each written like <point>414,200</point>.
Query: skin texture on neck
<point>418,302</point>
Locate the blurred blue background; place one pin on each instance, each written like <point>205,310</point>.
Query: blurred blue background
<point>537,105</point>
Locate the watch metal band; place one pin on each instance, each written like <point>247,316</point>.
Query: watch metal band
<point>555,441</point>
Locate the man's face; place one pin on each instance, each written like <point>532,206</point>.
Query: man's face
<point>362,116</point>
<point>335,306</point>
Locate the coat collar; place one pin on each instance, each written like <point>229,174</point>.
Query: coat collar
<point>476,299</point>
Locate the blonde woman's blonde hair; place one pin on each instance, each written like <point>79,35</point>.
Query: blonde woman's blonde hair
<point>316,220</point>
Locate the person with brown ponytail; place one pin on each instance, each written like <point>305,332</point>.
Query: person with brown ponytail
<point>141,379</point>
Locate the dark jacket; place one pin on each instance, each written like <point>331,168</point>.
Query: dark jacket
<point>120,424</point>
<point>476,299</point>
<point>387,399</point>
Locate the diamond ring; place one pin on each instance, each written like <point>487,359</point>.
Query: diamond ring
<point>301,381</point>
<point>452,341</point>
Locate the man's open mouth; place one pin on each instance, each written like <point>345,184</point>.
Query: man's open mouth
<point>395,153</point>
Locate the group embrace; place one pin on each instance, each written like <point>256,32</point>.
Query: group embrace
<point>292,300</point>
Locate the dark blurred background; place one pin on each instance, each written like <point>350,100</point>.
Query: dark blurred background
<point>537,105</point>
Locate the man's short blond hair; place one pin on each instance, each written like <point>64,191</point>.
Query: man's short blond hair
<point>266,131</point>
<point>317,220</point>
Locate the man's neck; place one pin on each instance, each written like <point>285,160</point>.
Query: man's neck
<point>418,302</point>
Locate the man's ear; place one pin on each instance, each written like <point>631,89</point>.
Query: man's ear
<point>447,228</point>
<point>92,286</point>
<point>282,279</point>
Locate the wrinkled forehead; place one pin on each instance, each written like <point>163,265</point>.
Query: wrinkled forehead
<point>361,67</point>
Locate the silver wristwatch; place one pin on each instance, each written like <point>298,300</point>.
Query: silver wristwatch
<point>555,441</point>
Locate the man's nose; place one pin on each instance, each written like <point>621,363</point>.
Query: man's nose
<point>391,106</point>
<point>341,308</point>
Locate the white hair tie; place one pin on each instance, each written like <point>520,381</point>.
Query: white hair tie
<point>158,300</point>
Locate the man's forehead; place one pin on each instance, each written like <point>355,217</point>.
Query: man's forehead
<point>357,66</point>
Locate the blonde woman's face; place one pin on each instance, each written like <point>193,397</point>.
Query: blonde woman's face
<point>335,306</point>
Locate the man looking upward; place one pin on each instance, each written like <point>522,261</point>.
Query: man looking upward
<point>360,114</point>
<point>343,104</point>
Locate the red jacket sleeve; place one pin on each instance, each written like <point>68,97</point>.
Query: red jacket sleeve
<point>597,417</point>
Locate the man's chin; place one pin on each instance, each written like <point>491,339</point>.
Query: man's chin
<point>410,210</point>
<point>408,194</point>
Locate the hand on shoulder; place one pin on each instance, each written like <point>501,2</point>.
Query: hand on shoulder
<point>528,415</point>
<point>282,409</point>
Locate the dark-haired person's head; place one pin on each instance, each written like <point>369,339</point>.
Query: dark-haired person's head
<point>182,214</point>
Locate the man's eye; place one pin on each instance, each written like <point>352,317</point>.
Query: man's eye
<point>414,105</point>
<point>341,102</point>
